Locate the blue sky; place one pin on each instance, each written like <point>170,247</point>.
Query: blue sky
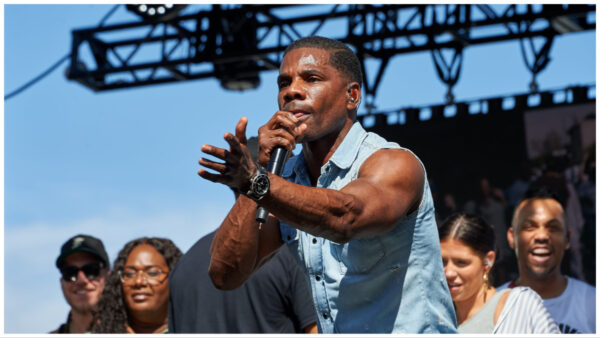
<point>122,164</point>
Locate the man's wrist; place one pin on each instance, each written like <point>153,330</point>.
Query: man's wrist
<point>258,185</point>
<point>248,183</point>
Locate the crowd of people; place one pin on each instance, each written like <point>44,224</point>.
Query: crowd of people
<point>352,243</point>
<point>573,182</point>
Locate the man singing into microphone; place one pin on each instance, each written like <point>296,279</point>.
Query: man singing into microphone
<point>356,210</point>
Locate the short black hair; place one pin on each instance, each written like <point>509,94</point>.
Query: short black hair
<point>538,190</point>
<point>472,230</point>
<point>341,57</point>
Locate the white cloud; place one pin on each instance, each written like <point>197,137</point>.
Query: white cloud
<point>33,301</point>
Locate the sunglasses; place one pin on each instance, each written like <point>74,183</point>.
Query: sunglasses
<point>90,270</point>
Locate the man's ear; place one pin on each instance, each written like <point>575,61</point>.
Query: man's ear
<point>510,237</point>
<point>354,96</point>
<point>568,240</point>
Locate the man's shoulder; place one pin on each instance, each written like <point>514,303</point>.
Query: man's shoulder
<point>64,327</point>
<point>61,329</point>
<point>201,246</point>
<point>195,256</point>
<point>580,284</point>
<point>577,294</point>
<point>402,155</point>
<point>384,163</point>
<point>376,148</point>
<point>580,288</point>
<point>374,143</point>
<point>575,309</point>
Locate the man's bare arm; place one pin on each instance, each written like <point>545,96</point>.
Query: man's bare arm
<point>388,187</point>
<point>240,246</point>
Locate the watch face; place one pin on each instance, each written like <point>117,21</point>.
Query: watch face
<point>261,185</point>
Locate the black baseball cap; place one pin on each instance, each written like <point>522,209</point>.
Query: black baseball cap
<point>82,243</point>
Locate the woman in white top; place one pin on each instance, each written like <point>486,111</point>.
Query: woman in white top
<point>467,244</point>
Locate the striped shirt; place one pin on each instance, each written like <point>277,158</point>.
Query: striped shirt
<point>524,312</point>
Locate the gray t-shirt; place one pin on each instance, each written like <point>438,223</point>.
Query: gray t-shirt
<point>483,321</point>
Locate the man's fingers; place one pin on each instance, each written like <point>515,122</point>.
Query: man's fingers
<point>216,166</point>
<point>234,143</point>
<point>209,176</point>
<point>240,130</point>
<point>286,121</point>
<point>219,153</point>
<point>282,138</point>
<point>300,132</point>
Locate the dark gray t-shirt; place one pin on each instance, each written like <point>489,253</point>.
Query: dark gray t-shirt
<point>276,299</point>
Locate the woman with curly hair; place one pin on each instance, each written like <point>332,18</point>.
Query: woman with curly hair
<point>136,296</point>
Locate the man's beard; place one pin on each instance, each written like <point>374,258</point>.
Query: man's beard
<point>82,308</point>
<point>542,272</point>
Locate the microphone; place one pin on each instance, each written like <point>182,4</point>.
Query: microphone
<point>275,167</point>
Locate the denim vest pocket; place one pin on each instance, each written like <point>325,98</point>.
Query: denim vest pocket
<point>358,256</point>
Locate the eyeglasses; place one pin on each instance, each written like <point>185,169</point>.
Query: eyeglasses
<point>150,276</point>
<point>90,270</point>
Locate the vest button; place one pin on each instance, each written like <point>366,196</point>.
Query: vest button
<point>325,315</point>
<point>318,277</point>
<point>314,241</point>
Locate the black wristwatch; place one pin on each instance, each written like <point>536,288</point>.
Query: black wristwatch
<point>259,184</point>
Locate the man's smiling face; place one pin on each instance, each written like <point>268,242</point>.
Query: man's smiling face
<point>539,237</point>
<point>83,294</point>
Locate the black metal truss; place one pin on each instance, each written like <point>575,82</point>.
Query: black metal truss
<point>236,43</point>
<point>571,95</point>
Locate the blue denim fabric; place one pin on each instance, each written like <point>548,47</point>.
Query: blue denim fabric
<point>393,282</point>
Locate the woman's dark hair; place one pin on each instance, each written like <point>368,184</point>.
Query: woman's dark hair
<point>471,230</point>
<point>111,314</point>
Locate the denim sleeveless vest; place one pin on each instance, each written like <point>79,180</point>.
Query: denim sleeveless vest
<point>393,282</point>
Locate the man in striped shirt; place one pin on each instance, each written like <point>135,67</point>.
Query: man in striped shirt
<point>540,238</point>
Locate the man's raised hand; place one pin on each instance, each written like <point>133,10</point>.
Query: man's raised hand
<point>237,167</point>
